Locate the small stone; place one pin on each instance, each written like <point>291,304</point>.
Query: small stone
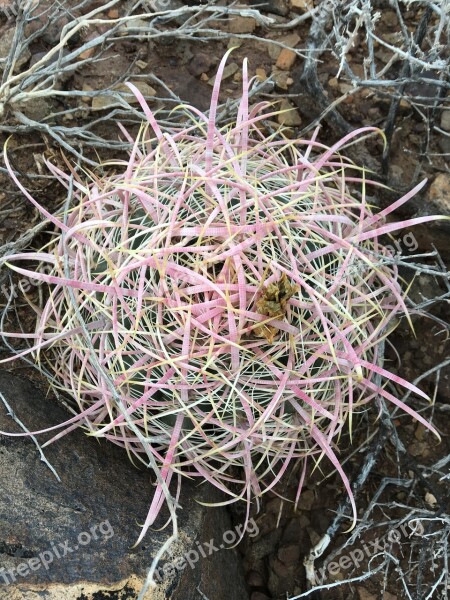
<point>420,432</point>
<point>430,499</point>
<point>389,18</point>
<point>363,594</point>
<point>404,104</point>
<point>289,81</point>
<point>129,26</point>
<point>275,7</point>
<point>113,13</point>
<point>444,144</point>
<point>445,120</point>
<point>255,579</point>
<point>439,193</point>
<point>280,78</point>
<point>261,74</point>
<point>141,64</point>
<point>286,59</point>
<point>291,40</point>
<point>86,88</point>
<point>235,43</point>
<point>333,82</point>
<point>37,110</point>
<point>280,569</point>
<point>264,545</point>
<point>6,38</point>
<point>396,172</point>
<point>242,25</point>
<point>306,500</point>
<point>204,77</point>
<point>86,53</point>
<point>303,5</point>
<point>344,88</point>
<point>417,449</point>
<point>393,38</point>
<point>274,506</point>
<point>201,63</point>
<point>291,116</point>
<point>227,73</point>
<point>104,101</point>
<point>289,555</point>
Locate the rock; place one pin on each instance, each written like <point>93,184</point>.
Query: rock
<point>303,5</point>
<point>104,101</point>
<point>242,24</point>
<point>439,193</point>
<point>444,144</point>
<point>306,500</point>
<point>141,64</point>
<point>37,109</point>
<point>131,26</point>
<point>286,59</point>
<point>261,74</point>
<point>291,40</point>
<point>280,78</point>
<point>345,88</point>
<point>289,555</point>
<point>201,63</point>
<point>259,596</point>
<point>61,76</point>
<point>363,594</point>
<point>47,30</point>
<point>264,545</point>
<point>275,7</point>
<point>290,117</point>
<point>73,538</point>
<point>426,90</point>
<point>6,38</point>
<point>419,449</point>
<point>255,579</point>
<point>431,500</point>
<point>234,42</point>
<point>389,18</point>
<point>445,120</point>
<point>279,568</point>
<point>228,72</point>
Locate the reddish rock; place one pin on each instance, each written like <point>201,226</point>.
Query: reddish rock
<point>286,59</point>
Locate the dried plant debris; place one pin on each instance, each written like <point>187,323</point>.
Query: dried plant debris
<point>272,303</point>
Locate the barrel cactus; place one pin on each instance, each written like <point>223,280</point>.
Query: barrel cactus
<point>216,304</point>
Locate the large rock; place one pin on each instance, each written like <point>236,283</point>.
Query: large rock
<point>72,539</point>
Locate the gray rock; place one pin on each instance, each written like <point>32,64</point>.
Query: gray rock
<point>276,7</point>
<point>72,540</point>
<point>6,39</point>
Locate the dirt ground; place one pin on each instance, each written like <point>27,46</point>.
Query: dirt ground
<point>418,147</point>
